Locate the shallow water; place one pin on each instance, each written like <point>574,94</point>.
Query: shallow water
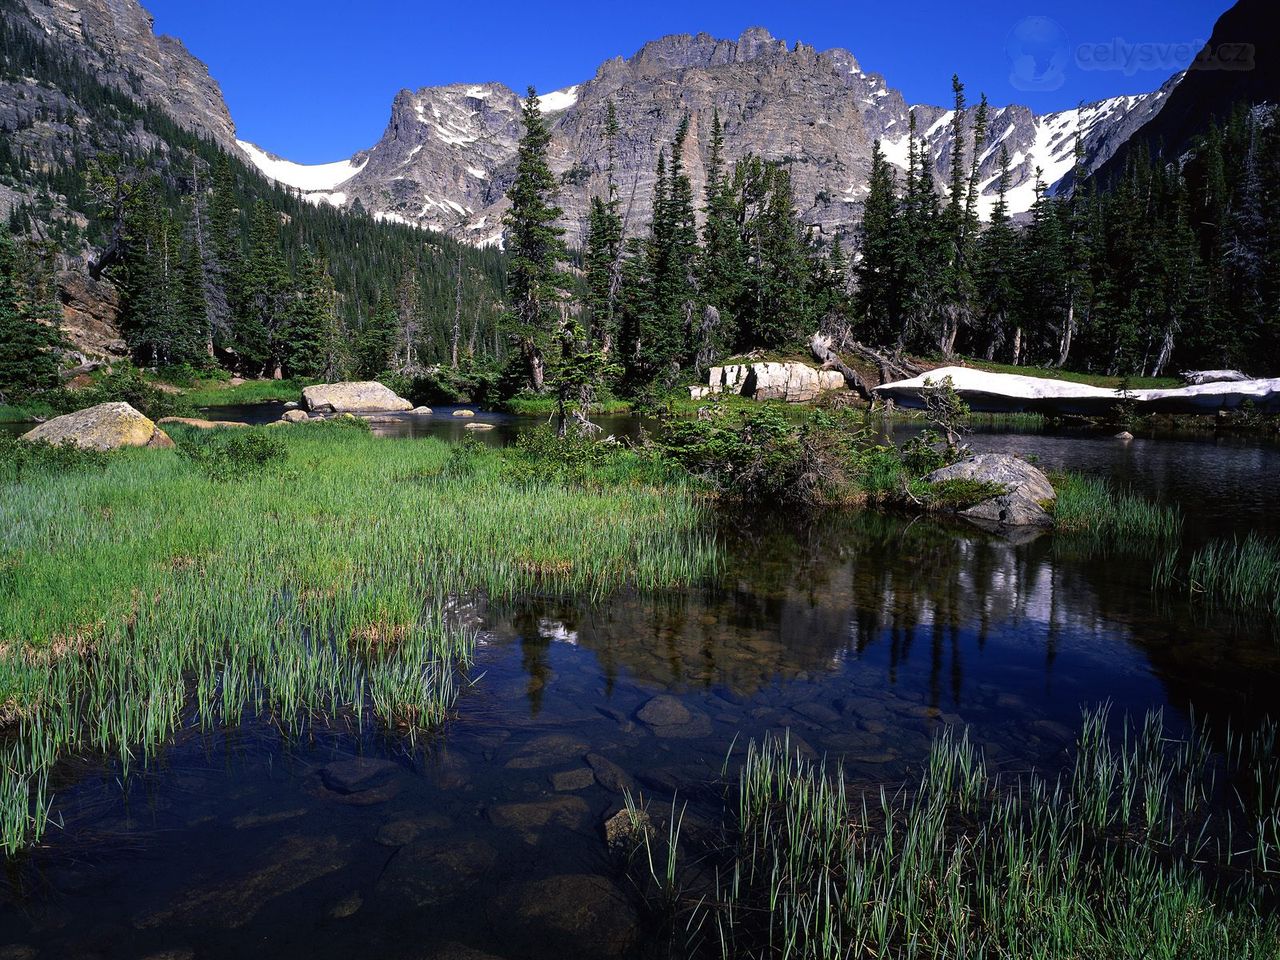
<point>858,634</point>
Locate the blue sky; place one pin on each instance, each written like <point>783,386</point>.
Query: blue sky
<point>313,80</point>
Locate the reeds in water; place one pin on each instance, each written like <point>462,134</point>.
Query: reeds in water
<point>140,593</point>
<point>1240,574</point>
<point>1091,506</point>
<point>1149,846</point>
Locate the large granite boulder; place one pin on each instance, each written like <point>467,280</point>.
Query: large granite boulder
<point>108,426</point>
<point>363,397</point>
<point>1027,491</point>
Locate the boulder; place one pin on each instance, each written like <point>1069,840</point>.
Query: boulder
<point>1124,435</point>
<point>422,411</point>
<point>791,381</point>
<point>464,413</point>
<point>200,424</point>
<point>1026,490</point>
<point>108,426</point>
<point>479,426</point>
<point>295,416</point>
<point>366,396</point>
<point>291,405</point>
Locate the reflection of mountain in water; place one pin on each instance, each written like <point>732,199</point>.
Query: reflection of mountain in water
<point>922,603</point>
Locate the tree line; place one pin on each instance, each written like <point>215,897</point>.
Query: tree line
<point>1172,266</point>
<point>217,265</point>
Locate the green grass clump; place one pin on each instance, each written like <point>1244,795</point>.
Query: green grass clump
<point>1242,574</point>
<point>137,591</point>
<point>217,393</point>
<point>1090,505</point>
<point>1150,847</point>
<point>25,413</point>
<point>545,405</point>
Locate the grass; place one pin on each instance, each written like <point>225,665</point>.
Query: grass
<point>544,405</point>
<point>1092,506</point>
<point>1148,846</point>
<point>1241,574</point>
<point>25,413</point>
<point>218,393</point>
<point>151,586</point>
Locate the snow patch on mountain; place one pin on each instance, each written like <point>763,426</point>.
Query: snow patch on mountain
<point>558,100</point>
<point>309,178</point>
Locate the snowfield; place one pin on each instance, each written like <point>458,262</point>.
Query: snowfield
<point>309,178</point>
<point>1012,393</point>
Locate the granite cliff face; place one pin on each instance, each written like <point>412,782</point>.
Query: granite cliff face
<point>447,156</point>
<point>116,40</point>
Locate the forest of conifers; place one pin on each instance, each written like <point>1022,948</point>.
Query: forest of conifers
<point>1174,264</point>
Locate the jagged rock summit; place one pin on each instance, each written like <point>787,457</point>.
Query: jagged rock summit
<point>447,156</point>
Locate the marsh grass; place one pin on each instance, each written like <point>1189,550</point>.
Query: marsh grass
<point>1147,846</point>
<point>148,590</point>
<point>1090,506</point>
<point>216,393</point>
<point>1239,574</point>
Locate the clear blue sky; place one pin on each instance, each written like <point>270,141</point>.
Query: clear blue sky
<point>312,80</point>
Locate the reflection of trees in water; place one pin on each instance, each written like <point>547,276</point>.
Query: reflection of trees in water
<point>800,596</point>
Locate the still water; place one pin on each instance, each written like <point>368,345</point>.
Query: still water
<point>856,634</point>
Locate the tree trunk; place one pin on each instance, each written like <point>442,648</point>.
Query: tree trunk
<point>1068,331</point>
<point>820,344</point>
<point>1017,345</point>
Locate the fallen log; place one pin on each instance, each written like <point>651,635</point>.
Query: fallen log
<point>820,344</point>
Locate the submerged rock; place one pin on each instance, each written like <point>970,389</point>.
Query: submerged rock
<point>609,775</point>
<point>1027,491</point>
<point>356,774</point>
<point>108,426</point>
<point>529,819</point>
<point>363,396</point>
<point>581,914</point>
<point>664,710</point>
<point>568,781</point>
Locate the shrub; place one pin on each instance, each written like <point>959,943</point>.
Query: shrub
<point>235,454</point>
<point>124,384</point>
<point>21,458</point>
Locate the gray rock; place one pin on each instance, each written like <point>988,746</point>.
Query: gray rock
<point>609,775</point>
<point>294,416</point>
<point>355,774</point>
<point>464,413</point>
<point>1026,489</point>
<point>1194,378</point>
<point>1124,435</point>
<point>291,405</point>
<point>422,411</point>
<point>479,427</point>
<point>367,396</point>
<point>568,781</point>
<point>664,710</point>
<point>108,426</point>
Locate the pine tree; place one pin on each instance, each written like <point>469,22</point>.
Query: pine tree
<point>602,258</point>
<point>311,333</point>
<point>29,335</point>
<point>267,295</point>
<point>877,302</point>
<point>535,246</point>
<point>997,272</point>
<point>722,262</point>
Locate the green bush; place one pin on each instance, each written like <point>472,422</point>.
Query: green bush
<point>124,384</point>
<point>761,455</point>
<point>234,454</point>
<point>21,458</point>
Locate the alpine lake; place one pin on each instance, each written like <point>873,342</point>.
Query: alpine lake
<point>856,635</point>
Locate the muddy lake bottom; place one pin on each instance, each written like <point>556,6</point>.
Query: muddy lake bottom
<point>858,635</point>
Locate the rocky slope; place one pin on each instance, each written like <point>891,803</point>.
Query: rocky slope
<point>116,39</point>
<point>447,155</point>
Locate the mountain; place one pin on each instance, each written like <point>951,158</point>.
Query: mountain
<point>447,155</point>
<point>117,41</point>
<point>1239,64</point>
<point>107,128</point>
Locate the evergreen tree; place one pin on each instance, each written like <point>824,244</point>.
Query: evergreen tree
<point>535,246</point>
<point>29,335</point>
<point>602,258</point>
<point>722,263</point>
<point>267,295</point>
<point>311,334</point>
